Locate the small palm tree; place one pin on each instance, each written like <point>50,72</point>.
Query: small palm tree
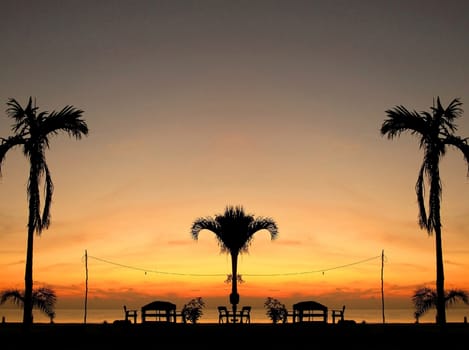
<point>32,131</point>
<point>43,298</point>
<point>436,132</point>
<point>234,230</point>
<point>425,299</point>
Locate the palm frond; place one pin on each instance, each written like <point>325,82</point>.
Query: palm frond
<point>7,144</point>
<point>34,201</point>
<point>449,114</point>
<point>420,190</point>
<point>69,119</point>
<point>203,224</point>
<point>43,299</point>
<point>24,118</point>
<point>49,189</point>
<point>13,295</point>
<point>425,298</point>
<point>399,120</point>
<point>264,223</point>
<point>234,228</point>
<point>455,295</point>
<point>461,144</point>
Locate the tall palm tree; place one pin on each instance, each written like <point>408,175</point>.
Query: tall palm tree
<point>436,132</point>
<point>425,298</point>
<point>42,298</point>
<point>234,230</point>
<point>32,130</point>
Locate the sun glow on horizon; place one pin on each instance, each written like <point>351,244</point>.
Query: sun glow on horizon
<point>195,107</point>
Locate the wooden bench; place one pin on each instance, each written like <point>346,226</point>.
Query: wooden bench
<point>309,311</point>
<point>159,311</point>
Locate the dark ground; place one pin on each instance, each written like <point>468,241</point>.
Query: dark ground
<point>238,336</point>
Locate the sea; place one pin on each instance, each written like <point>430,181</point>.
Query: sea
<point>258,315</point>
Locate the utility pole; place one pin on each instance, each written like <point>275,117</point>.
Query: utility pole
<point>86,284</point>
<point>382,284</point>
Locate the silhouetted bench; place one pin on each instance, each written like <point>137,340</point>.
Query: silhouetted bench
<point>159,311</point>
<point>309,311</point>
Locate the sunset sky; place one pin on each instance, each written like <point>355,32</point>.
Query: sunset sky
<point>272,105</point>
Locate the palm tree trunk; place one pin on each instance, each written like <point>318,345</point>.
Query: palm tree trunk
<point>440,279</point>
<point>33,195</point>
<point>28,278</point>
<point>234,296</point>
<point>435,199</point>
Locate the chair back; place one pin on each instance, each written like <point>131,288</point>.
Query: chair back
<point>223,315</point>
<point>222,309</point>
<point>130,314</point>
<point>245,314</point>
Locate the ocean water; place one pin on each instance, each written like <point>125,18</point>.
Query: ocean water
<point>210,315</point>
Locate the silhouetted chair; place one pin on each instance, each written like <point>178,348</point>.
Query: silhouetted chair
<point>223,314</point>
<point>130,314</point>
<point>245,315</point>
<point>183,315</point>
<point>338,313</point>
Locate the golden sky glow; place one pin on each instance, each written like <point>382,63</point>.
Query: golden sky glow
<point>272,105</point>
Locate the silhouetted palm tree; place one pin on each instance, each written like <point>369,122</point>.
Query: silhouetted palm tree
<point>425,299</point>
<point>234,230</point>
<point>32,131</point>
<point>42,298</point>
<point>436,132</point>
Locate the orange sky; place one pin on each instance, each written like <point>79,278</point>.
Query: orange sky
<point>193,106</point>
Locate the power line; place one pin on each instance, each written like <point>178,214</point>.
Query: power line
<point>224,274</point>
<point>316,271</point>
<point>154,271</point>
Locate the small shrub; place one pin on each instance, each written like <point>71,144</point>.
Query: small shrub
<point>192,311</point>
<point>276,311</point>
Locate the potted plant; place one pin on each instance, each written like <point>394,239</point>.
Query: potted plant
<point>276,311</point>
<point>192,311</point>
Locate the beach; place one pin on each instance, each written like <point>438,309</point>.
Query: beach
<point>154,335</point>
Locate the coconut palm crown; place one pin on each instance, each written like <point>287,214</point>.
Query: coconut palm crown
<point>43,298</point>
<point>435,130</point>
<point>234,230</point>
<point>425,298</point>
<point>31,131</point>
